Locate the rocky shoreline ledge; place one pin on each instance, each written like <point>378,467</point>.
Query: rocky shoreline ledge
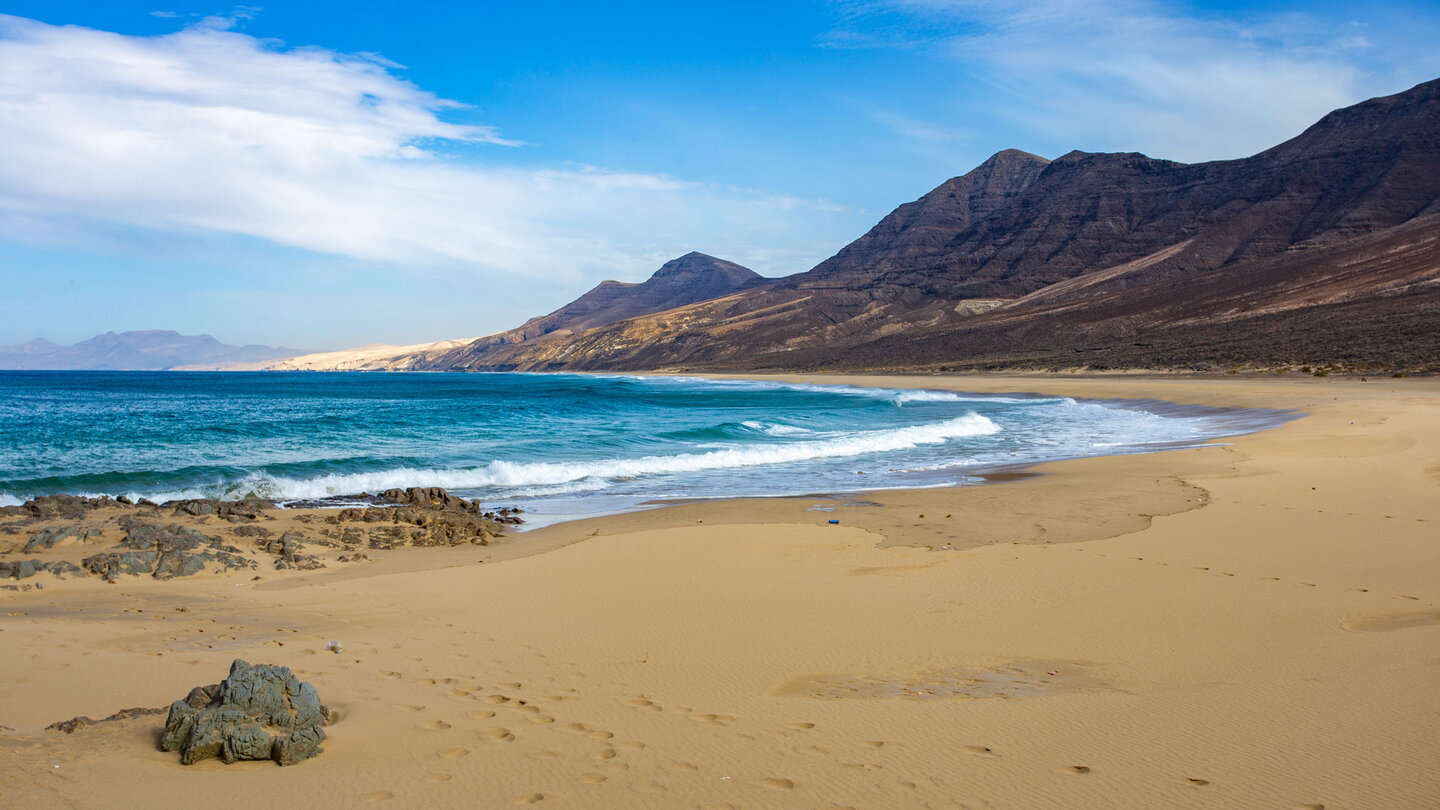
<point>63,536</point>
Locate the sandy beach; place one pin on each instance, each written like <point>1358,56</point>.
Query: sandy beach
<point>1251,624</point>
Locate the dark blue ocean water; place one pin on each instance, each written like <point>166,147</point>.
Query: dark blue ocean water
<point>556,445</point>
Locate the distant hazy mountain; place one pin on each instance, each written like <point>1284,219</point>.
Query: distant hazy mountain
<point>149,350</point>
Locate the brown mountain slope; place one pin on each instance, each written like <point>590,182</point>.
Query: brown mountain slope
<point>1021,262</point>
<point>1371,303</point>
<point>1358,170</point>
<point>690,278</point>
<point>686,280</point>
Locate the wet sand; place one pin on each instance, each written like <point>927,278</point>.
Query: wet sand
<point>1251,624</point>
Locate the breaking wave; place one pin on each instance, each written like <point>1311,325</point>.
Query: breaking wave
<point>528,479</point>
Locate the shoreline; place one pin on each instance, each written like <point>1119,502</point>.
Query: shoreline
<point>1253,624</point>
<point>1217,427</point>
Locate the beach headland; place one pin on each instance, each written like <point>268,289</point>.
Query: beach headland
<point>1251,624</point>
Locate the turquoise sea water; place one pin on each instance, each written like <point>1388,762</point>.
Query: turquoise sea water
<point>557,445</point>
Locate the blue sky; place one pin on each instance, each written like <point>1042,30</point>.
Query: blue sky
<point>326,174</point>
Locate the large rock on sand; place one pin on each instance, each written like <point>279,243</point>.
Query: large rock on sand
<point>258,712</point>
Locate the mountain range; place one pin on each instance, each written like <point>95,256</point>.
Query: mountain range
<point>149,350</point>
<point>1323,250</point>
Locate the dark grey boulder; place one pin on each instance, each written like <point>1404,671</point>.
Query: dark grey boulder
<point>258,712</point>
<point>162,538</point>
<point>70,507</point>
<point>47,538</point>
<point>111,565</point>
<point>173,564</point>
<point>24,569</point>
<point>242,510</point>
<point>298,562</point>
<point>61,569</point>
<point>288,544</point>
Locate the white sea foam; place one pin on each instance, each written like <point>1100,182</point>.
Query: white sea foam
<point>895,395</point>
<point>776,428</point>
<point>514,479</point>
<point>6,499</point>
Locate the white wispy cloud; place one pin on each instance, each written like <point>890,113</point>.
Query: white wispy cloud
<point>211,130</point>
<point>1134,74</point>
<point>917,129</point>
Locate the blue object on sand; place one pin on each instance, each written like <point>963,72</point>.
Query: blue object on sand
<point>834,521</point>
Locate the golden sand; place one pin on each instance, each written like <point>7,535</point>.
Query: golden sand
<point>1252,624</point>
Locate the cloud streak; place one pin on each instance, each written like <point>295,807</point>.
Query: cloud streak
<point>210,130</point>
<point>1135,75</point>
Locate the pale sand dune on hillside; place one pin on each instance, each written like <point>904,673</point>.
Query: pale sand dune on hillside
<point>1243,625</point>
<point>372,357</point>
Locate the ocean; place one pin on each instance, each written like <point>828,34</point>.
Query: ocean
<point>558,446</point>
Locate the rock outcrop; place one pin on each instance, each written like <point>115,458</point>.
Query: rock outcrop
<point>70,507</point>
<point>259,712</point>
<point>165,552</point>
<point>425,516</point>
<point>74,724</point>
<point>24,569</point>
<point>67,535</point>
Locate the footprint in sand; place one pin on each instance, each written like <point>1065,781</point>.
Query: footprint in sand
<point>639,703</point>
<point>434,725</point>
<point>440,776</point>
<point>498,734</point>
<point>407,707</point>
<point>802,726</point>
<point>1077,769</point>
<point>531,798</point>
<point>981,750</point>
<point>874,743</point>
<point>454,753</point>
<point>1197,782</point>
<point>481,714</point>
<point>776,783</point>
<point>378,796</point>
<point>542,719</point>
<point>593,778</point>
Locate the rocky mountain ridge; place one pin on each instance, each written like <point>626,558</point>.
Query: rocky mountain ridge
<point>1026,262</point>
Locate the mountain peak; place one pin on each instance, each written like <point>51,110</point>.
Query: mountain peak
<point>695,263</point>
<point>683,280</point>
<point>1006,157</point>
